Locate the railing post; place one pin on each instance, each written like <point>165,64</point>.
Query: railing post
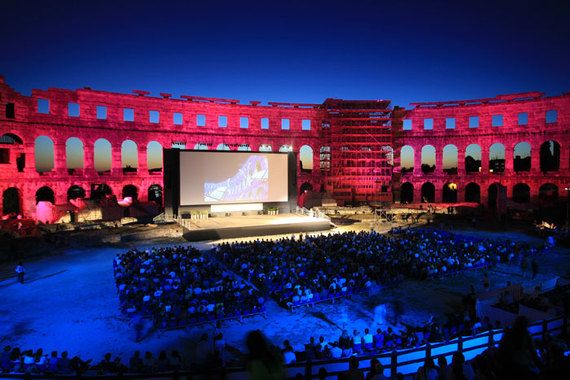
<point>460,344</point>
<point>491,341</point>
<point>428,350</point>
<point>544,329</point>
<point>394,364</point>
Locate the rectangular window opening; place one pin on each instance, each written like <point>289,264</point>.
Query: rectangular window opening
<point>306,125</point>
<point>43,106</point>
<point>407,125</point>
<point>264,123</point>
<point>73,109</point>
<point>523,118</point>
<point>177,118</point>
<point>497,120</point>
<point>222,121</point>
<point>10,111</point>
<point>201,120</point>
<point>450,123</point>
<point>128,114</point>
<point>244,122</point>
<point>428,124</point>
<point>4,156</point>
<point>101,112</point>
<point>154,117</point>
<point>285,124</point>
<point>551,116</point>
<point>473,121</point>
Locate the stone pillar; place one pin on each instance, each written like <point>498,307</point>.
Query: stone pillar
<point>460,162</point>
<point>116,163</point>
<point>60,164</point>
<point>438,192</point>
<point>438,162</point>
<point>142,161</point>
<point>88,158</point>
<point>509,159</point>
<point>417,162</point>
<point>484,159</point>
<point>535,159</point>
<point>417,193</point>
<point>564,158</point>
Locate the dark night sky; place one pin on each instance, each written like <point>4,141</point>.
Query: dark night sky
<point>302,51</point>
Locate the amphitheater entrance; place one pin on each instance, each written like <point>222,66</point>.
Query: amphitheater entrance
<point>549,156</point>
<point>521,193</point>
<point>45,193</point>
<point>473,193</point>
<point>155,194</point>
<point>428,192</point>
<point>548,192</point>
<point>75,192</point>
<point>130,191</point>
<point>406,193</point>
<point>449,193</point>
<point>11,201</point>
<point>497,197</point>
<point>100,191</point>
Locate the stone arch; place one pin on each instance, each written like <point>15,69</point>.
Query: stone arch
<point>450,154</point>
<point>100,191</point>
<point>129,156</point>
<point>11,139</point>
<point>154,156</point>
<point>265,148</point>
<point>44,153</point>
<point>74,154</point>
<point>201,146</point>
<point>45,193</point>
<point>102,155</point>
<point>244,148</point>
<point>74,192</point>
<point>11,201</point>
<point>406,159</point>
<point>155,194</point>
<point>473,158</point>
<point>449,193</point>
<point>306,158</point>
<point>522,157</point>
<point>428,159</point>
<point>549,156</point>
<point>406,193</point>
<point>521,193</point>
<point>495,196</point>
<point>473,193</point>
<point>497,158</point>
<point>223,146</point>
<point>548,192</point>
<point>130,191</point>
<point>286,148</point>
<point>428,192</point>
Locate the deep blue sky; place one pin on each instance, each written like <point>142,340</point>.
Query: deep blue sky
<point>303,51</point>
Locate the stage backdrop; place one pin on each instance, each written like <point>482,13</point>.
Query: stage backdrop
<point>232,177</point>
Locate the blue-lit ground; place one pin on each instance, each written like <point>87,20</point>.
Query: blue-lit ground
<point>69,303</point>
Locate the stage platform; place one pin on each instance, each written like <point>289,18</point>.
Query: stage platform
<point>226,227</point>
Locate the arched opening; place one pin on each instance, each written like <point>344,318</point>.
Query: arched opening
<point>265,148</point>
<point>130,191</point>
<point>74,154</point>
<point>450,159</point>
<point>449,193</point>
<point>473,158</point>
<point>428,192</point>
<point>497,197</point>
<point>406,159</point>
<point>306,186</point>
<point>548,192</point>
<point>223,146</point>
<point>406,193</point>
<point>521,193</point>
<point>129,156</point>
<point>428,159</point>
<point>45,193</point>
<point>201,146</point>
<point>473,193</point>
<point>521,162</point>
<point>154,156</point>
<point>11,201</point>
<point>497,158</point>
<point>102,155</point>
<point>7,142</point>
<point>100,191</point>
<point>286,148</point>
<point>44,154</point>
<point>306,158</point>
<point>155,194</point>
<point>549,156</point>
<point>75,192</point>
<point>244,148</point>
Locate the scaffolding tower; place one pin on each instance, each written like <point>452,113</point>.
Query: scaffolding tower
<point>361,151</point>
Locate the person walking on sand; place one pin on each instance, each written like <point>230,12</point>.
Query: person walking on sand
<point>20,271</point>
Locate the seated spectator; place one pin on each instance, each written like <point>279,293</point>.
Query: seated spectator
<point>136,363</point>
<point>288,353</point>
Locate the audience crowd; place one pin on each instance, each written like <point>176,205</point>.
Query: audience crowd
<point>179,286</point>
<point>297,271</point>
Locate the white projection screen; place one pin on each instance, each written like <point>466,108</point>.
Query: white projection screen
<point>213,177</point>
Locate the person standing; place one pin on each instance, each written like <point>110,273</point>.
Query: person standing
<point>20,271</point>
